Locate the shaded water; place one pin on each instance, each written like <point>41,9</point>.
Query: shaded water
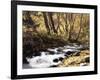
<point>52,57</point>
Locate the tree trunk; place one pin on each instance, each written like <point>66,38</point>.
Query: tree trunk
<point>71,21</point>
<point>52,22</point>
<point>80,27</point>
<point>46,22</point>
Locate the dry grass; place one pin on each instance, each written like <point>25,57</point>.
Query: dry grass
<point>80,60</point>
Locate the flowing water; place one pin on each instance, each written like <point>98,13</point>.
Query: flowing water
<point>52,57</point>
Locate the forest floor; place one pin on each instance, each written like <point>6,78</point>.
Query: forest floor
<point>82,59</point>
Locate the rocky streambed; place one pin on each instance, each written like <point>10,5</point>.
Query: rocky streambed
<point>66,56</point>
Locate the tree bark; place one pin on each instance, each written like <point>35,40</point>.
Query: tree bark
<point>80,27</point>
<point>52,22</point>
<point>71,20</point>
<point>46,22</point>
